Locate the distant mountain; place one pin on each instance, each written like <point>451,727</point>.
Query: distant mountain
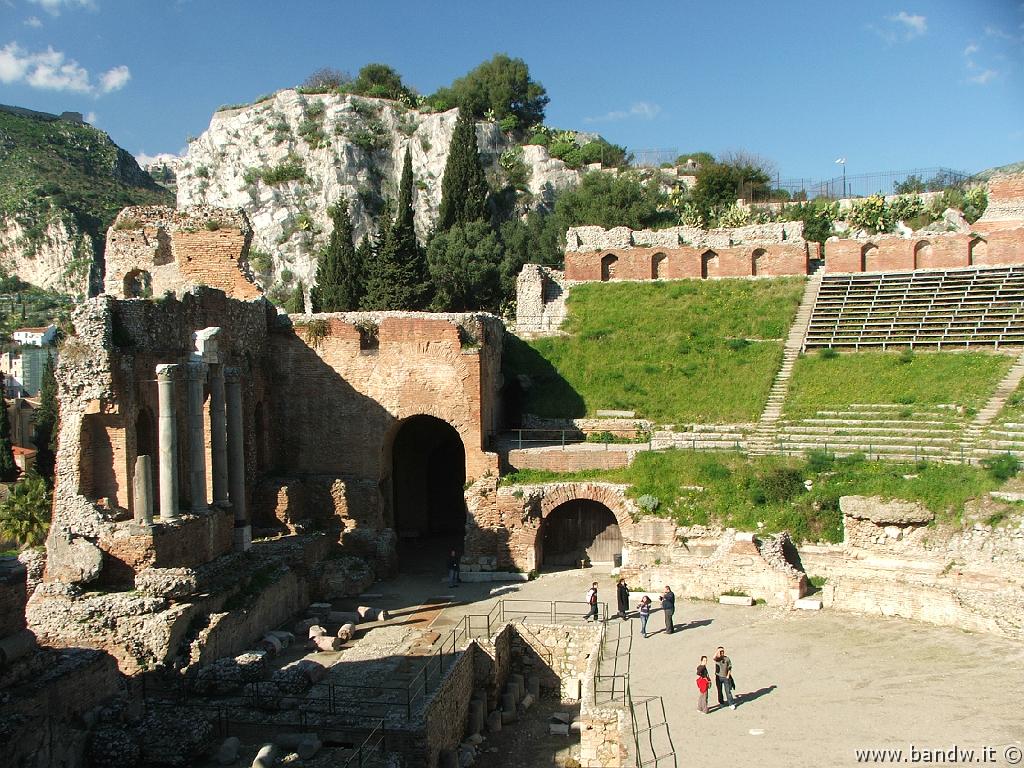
<point>62,182</point>
<point>988,173</point>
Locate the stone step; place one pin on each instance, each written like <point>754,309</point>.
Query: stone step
<point>896,423</point>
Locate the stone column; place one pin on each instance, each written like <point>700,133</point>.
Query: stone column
<point>143,487</point>
<point>236,459</point>
<point>196,436</point>
<point>168,449</point>
<point>218,435</point>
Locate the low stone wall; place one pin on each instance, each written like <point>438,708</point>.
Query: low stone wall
<point>446,715</point>
<point>559,654</point>
<point>12,596</point>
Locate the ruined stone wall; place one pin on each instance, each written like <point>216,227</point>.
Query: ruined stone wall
<point>445,718</point>
<point>540,299</point>
<point>106,387</point>
<point>155,249</point>
<point>1005,203</point>
<point>12,596</point>
<point>353,397</point>
<point>567,652</point>
<point>680,262</point>
<point>557,460</point>
<point>503,530</point>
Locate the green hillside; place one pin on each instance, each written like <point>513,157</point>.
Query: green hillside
<point>53,168</point>
<point>701,351</point>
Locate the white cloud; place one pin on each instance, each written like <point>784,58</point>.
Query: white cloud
<point>914,25</point>
<point>983,78</point>
<point>51,70</point>
<point>971,49</point>
<point>641,109</point>
<point>159,158</point>
<point>91,118</point>
<point>115,79</point>
<point>54,7</point>
<point>34,22</point>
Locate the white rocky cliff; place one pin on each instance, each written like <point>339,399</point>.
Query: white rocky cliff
<point>59,259</point>
<point>286,159</point>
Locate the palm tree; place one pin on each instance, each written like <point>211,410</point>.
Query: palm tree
<point>25,514</point>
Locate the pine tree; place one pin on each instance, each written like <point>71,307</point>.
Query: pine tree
<point>464,186</point>
<point>8,469</point>
<point>339,276</point>
<point>46,423</point>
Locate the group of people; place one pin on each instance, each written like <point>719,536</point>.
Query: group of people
<point>724,683</point>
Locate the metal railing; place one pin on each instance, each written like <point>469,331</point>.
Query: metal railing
<point>525,438</point>
<point>370,752</point>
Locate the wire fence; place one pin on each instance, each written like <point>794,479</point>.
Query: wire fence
<point>934,179</point>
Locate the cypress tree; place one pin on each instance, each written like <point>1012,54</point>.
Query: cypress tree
<point>296,304</point>
<point>8,469</point>
<point>46,423</point>
<point>464,186</point>
<point>339,279</point>
<point>396,277</point>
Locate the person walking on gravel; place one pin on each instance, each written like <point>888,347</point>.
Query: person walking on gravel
<point>622,593</point>
<point>668,605</point>
<point>592,602</point>
<point>723,678</point>
<point>703,685</point>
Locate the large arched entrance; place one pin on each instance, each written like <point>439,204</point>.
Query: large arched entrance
<point>428,474</point>
<point>578,530</point>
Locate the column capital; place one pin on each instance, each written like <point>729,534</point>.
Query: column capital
<point>196,370</point>
<point>167,371</point>
<point>232,374</point>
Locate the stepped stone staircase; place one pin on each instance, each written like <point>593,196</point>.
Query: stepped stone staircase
<point>896,432</point>
<point>762,440</point>
<point>985,436</point>
<point>939,308</point>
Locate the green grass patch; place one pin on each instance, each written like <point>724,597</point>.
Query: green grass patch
<point>820,383</point>
<point>671,352</point>
<point>731,489</point>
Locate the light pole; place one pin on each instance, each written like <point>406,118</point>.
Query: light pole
<point>842,161</point>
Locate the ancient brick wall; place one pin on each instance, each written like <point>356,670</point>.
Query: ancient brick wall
<point>891,253</point>
<point>445,717</point>
<point>558,460</point>
<point>354,399</point>
<point>645,263</point>
<point>155,249</point>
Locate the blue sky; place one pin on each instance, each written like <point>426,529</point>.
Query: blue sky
<point>887,85</point>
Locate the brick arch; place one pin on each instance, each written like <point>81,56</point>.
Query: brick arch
<point>755,259</point>
<point>612,496</point>
<point>923,254</point>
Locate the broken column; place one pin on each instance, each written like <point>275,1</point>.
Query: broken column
<point>168,442</point>
<point>196,436</point>
<point>236,458</point>
<point>142,485</point>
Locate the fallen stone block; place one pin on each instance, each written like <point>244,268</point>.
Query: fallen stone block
<point>328,643</point>
<point>808,604</point>
<point>301,628</point>
<point>286,638</point>
<point>736,600</point>
<point>271,645</point>
<point>366,613</point>
<point>347,631</point>
<point>316,631</point>
<point>558,729</point>
<point>320,610</point>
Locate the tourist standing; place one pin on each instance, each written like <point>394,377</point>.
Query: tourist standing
<point>453,569</point>
<point>592,602</point>
<point>723,678</point>
<point>622,592</point>
<point>703,685</point>
<point>645,613</point>
<point>668,605</point>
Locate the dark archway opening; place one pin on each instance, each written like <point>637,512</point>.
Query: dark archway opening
<point>428,475</point>
<point>577,531</point>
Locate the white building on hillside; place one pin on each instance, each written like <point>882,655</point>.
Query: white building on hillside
<point>36,337</point>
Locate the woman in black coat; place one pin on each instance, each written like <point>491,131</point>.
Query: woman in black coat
<point>622,592</point>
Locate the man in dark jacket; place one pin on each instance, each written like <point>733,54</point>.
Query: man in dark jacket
<point>723,678</point>
<point>668,605</point>
<point>622,593</point>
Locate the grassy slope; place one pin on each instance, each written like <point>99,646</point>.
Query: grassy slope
<point>63,169</point>
<point>662,350</point>
<point>930,378</point>
<point>743,492</point>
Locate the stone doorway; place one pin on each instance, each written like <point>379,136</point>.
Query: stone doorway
<point>428,472</point>
<point>577,530</point>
